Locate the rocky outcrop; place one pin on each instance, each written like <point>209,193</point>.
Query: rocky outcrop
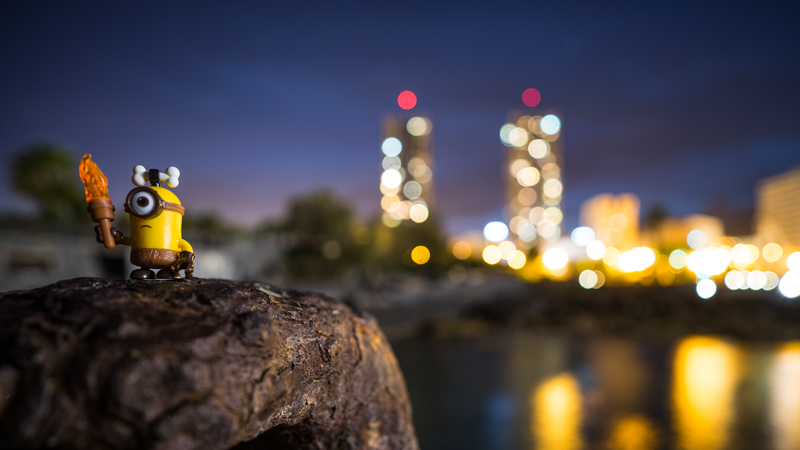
<point>94,363</point>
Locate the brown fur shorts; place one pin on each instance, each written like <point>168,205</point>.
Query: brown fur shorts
<point>154,258</point>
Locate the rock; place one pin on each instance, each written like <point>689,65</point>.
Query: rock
<point>94,363</point>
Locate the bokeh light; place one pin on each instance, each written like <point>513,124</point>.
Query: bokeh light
<point>552,188</point>
<point>756,280</point>
<point>537,215</point>
<point>734,280</point>
<point>419,169</point>
<point>611,256</point>
<point>548,230</point>
<point>331,249</point>
<point>601,279</point>
<point>740,253</point>
<point>528,176</point>
<point>491,254</point>
<point>772,280</point>
<point>696,239</point>
<point>400,210</point>
<point>555,258</point>
<point>495,231</point>
<point>418,126</point>
<point>391,146</point>
<point>706,288</point>
<point>517,165</point>
<point>550,170</point>
<point>677,259</point>
<point>772,252</point>
<point>790,284</point>
<point>587,279</point>
<point>708,263</point>
<point>550,124</point>
<point>462,250</point>
<point>518,137</point>
<point>420,254</point>
<point>418,213</point>
<point>389,191</point>
<point>637,259</point>
<point>506,248</point>
<point>391,178</point>
<point>407,100</point>
<point>516,260</point>
<point>390,162</point>
<point>527,196</point>
<point>531,97</point>
<point>505,131</point>
<point>526,231</point>
<point>412,190</point>
<point>582,236</point>
<point>793,261</point>
<point>554,214</point>
<point>539,148</point>
<point>388,200</point>
<point>754,253</point>
<point>389,221</point>
<point>595,250</point>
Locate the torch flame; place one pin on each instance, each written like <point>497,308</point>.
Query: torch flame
<point>94,182</point>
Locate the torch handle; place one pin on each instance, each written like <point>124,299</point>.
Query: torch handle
<point>108,238</point>
<point>102,211</point>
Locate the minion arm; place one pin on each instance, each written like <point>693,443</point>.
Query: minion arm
<point>185,246</point>
<point>119,238</point>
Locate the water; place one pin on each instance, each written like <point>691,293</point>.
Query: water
<point>549,391</point>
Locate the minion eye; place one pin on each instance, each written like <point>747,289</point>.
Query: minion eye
<point>143,203</point>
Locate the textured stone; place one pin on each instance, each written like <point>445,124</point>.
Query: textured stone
<point>94,363</point>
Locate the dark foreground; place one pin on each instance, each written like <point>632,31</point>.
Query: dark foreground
<point>93,363</point>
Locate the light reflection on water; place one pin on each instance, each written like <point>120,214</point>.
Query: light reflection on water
<point>556,405</point>
<point>528,391</point>
<point>707,371</point>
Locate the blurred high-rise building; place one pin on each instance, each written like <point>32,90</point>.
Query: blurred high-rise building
<point>614,219</point>
<point>407,168</point>
<point>534,187</point>
<point>778,208</point>
<point>672,232</point>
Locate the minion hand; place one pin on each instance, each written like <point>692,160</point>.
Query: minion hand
<point>186,264</point>
<point>118,236</point>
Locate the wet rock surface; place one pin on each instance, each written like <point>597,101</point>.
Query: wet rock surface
<point>94,363</point>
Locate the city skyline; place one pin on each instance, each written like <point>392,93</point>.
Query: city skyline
<point>686,107</point>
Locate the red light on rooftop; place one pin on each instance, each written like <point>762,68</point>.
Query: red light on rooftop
<point>531,97</point>
<point>407,100</point>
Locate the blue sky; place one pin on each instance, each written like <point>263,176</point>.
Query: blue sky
<point>681,104</point>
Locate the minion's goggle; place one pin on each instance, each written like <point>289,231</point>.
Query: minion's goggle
<point>145,202</point>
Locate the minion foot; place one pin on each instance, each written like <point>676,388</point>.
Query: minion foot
<point>168,274</point>
<point>143,274</point>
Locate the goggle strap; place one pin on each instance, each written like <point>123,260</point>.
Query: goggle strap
<point>173,207</point>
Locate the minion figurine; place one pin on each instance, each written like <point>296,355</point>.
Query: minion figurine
<point>156,215</point>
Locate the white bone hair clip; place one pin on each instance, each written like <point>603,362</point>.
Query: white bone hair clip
<point>141,176</point>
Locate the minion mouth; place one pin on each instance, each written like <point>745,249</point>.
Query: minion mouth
<point>148,226</point>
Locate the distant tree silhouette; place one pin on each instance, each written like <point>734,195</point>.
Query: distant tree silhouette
<point>48,174</point>
<point>322,226</point>
<point>393,246</point>
<point>655,216</point>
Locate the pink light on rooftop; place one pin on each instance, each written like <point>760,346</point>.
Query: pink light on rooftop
<point>407,100</point>
<point>531,97</point>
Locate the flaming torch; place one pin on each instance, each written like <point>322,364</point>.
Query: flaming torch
<point>96,186</point>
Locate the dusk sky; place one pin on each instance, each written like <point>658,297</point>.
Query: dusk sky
<point>687,105</point>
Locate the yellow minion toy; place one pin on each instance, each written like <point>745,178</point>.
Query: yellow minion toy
<point>156,215</point>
